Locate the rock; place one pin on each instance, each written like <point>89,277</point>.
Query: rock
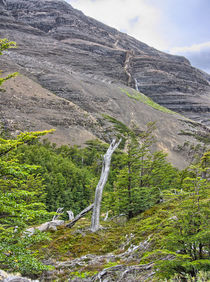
<point>121,219</point>
<point>51,225</point>
<point>30,231</point>
<point>71,43</point>
<point>75,68</point>
<point>125,273</point>
<point>173,218</point>
<point>10,277</point>
<point>2,3</point>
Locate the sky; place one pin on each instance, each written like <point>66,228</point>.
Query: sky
<point>179,27</point>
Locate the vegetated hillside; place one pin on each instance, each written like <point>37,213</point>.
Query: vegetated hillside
<point>158,216</point>
<point>135,250</point>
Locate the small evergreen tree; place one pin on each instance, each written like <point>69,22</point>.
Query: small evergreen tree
<point>21,204</point>
<point>67,181</point>
<point>4,45</point>
<point>188,234</point>
<point>141,175</point>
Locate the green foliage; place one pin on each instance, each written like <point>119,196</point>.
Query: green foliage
<point>140,175</point>
<point>188,233</point>
<point>201,276</point>
<point>171,205</point>
<point>22,200</point>
<point>68,181</point>
<point>146,100</point>
<point>167,231</point>
<point>4,45</point>
<point>16,256</point>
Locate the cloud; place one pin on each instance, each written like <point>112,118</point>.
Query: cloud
<point>193,48</point>
<point>198,54</point>
<point>162,24</point>
<point>138,18</point>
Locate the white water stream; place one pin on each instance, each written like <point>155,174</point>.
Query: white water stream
<point>136,85</point>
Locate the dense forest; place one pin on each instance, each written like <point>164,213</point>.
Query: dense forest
<point>37,178</point>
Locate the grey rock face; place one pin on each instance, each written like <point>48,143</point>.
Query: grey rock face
<point>74,68</point>
<point>55,41</point>
<point>2,3</point>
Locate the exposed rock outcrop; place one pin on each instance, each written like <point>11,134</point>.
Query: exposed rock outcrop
<point>87,64</point>
<point>56,41</point>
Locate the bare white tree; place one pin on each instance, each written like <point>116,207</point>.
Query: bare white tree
<point>99,189</point>
<point>59,212</point>
<point>106,216</point>
<point>71,215</point>
<point>80,215</point>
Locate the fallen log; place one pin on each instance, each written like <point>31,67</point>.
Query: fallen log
<point>80,215</point>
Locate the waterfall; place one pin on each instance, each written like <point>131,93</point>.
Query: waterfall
<point>136,85</point>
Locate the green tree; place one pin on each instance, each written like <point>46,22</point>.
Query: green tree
<point>4,45</point>
<point>21,204</point>
<point>188,234</point>
<point>141,175</point>
<point>67,177</point>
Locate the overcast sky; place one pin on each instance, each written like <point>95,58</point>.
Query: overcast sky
<point>176,26</point>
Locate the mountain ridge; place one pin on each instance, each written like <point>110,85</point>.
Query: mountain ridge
<point>163,77</point>
<point>92,65</point>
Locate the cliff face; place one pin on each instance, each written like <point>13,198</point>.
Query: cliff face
<point>88,64</point>
<point>54,37</point>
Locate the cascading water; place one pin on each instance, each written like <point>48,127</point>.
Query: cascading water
<point>136,85</point>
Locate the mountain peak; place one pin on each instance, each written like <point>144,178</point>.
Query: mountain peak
<point>96,50</point>
<point>97,69</point>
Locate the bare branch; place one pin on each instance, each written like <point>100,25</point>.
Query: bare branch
<point>86,210</point>
<point>59,213</point>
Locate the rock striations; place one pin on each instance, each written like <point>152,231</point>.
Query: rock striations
<point>89,65</point>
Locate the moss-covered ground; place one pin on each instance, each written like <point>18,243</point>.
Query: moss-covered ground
<point>67,244</point>
<point>138,96</point>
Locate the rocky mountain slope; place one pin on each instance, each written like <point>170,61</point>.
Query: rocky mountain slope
<point>75,68</point>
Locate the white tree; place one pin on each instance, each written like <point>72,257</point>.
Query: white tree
<point>99,189</point>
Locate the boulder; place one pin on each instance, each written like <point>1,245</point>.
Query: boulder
<point>51,225</point>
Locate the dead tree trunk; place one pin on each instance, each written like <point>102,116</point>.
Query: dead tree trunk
<point>86,210</point>
<point>59,212</point>
<point>99,189</point>
<point>71,215</point>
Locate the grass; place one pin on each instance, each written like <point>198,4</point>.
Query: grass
<point>150,228</point>
<point>67,244</point>
<point>138,96</point>
<point>205,139</point>
<point>71,243</point>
